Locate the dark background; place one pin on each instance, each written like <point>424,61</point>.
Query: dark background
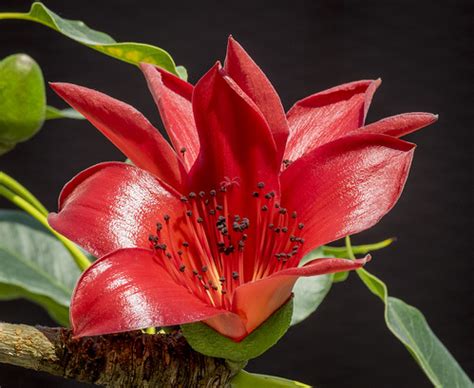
<point>423,52</point>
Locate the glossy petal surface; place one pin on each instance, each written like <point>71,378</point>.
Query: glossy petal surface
<point>258,300</point>
<point>111,206</point>
<point>251,79</point>
<point>236,143</point>
<point>128,290</point>
<point>346,186</point>
<point>399,125</point>
<point>327,115</point>
<point>173,96</point>
<point>128,129</point>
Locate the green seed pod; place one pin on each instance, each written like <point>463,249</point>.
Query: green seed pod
<point>22,100</point>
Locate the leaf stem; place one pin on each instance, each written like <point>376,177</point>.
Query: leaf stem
<point>357,249</point>
<point>349,250</point>
<point>80,259</point>
<point>22,191</point>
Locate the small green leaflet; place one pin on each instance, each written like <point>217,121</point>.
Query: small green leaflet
<point>34,265</point>
<point>78,31</point>
<point>409,325</point>
<point>209,342</point>
<point>68,113</point>
<point>309,291</point>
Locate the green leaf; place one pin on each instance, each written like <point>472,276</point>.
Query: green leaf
<point>309,292</point>
<point>209,342</point>
<point>22,100</point>
<point>68,113</point>
<point>245,379</point>
<point>78,31</point>
<point>409,325</point>
<point>35,265</point>
<point>340,277</point>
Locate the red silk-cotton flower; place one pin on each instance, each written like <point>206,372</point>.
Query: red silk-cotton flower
<point>213,227</point>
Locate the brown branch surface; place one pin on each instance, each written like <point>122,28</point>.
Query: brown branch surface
<point>119,360</point>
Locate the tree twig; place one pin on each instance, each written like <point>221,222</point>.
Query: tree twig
<point>127,360</point>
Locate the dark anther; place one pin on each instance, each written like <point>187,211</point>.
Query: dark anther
<point>215,288</point>
<point>202,194</point>
<point>152,238</point>
<point>204,268</point>
<point>272,194</point>
<point>182,267</point>
<point>268,196</point>
<point>228,250</point>
<point>220,207</point>
<point>282,210</point>
<point>260,185</point>
<point>237,218</point>
<point>180,252</point>
<point>185,244</point>
<point>206,202</point>
<point>222,279</point>
<point>166,217</point>
<point>206,287</point>
<point>255,194</point>
<point>223,292</point>
<point>213,193</point>
<point>221,244</point>
<point>189,213</point>
<point>284,229</point>
<point>192,195</point>
<point>235,275</point>
<point>182,150</point>
<point>200,220</point>
<point>270,226</point>
<point>160,246</point>
<point>277,230</point>
<point>159,226</point>
<point>264,208</point>
<point>241,244</point>
<point>183,199</point>
<point>300,226</point>
<point>293,215</point>
<point>245,236</point>
<point>169,255</point>
<point>292,238</point>
<point>223,189</point>
<point>212,212</point>
<point>277,206</point>
<point>195,272</point>
<point>199,277</point>
<point>286,162</point>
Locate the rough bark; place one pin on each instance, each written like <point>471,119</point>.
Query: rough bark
<point>119,360</point>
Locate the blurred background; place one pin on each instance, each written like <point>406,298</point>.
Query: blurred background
<point>423,52</point>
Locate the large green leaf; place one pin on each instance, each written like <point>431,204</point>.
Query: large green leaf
<point>75,29</point>
<point>22,100</point>
<point>409,325</point>
<point>309,292</point>
<point>34,265</point>
<point>209,342</point>
<point>245,379</point>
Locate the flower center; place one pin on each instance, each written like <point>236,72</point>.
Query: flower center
<point>211,250</point>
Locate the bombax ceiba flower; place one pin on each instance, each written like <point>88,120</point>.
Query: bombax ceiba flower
<point>213,227</point>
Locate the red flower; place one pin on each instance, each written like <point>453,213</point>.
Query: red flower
<point>213,228</point>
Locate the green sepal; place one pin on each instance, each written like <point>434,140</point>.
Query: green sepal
<point>209,342</point>
<point>245,379</point>
<point>53,113</point>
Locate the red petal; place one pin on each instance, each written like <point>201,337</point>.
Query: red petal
<point>346,186</point>
<point>258,300</point>
<point>399,125</point>
<point>128,290</point>
<point>128,129</point>
<point>327,115</point>
<point>251,79</point>
<point>236,142</point>
<point>173,98</point>
<point>111,206</point>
